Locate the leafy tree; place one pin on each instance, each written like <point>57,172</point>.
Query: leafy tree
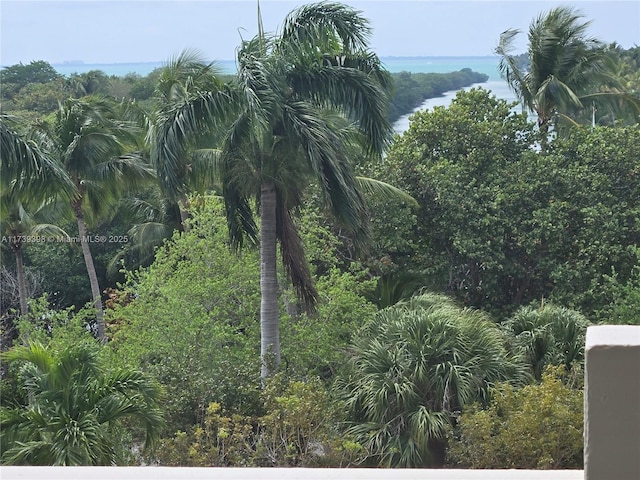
<point>593,189</point>
<point>502,225</point>
<point>35,72</point>
<point>624,308</point>
<point>412,89</point>
<point>567,69</point>
<point>63,272</point>
<point>42,98</point>
<point>414,364</point>
<point>452,161</point>
<point>538,426</point>
<point>75,406</point>
<point>36,86</point>
<point>97,150</point>
<point>286,134</point>
<point>191,319</point>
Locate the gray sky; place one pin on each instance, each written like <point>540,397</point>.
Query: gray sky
<point>123,31</point>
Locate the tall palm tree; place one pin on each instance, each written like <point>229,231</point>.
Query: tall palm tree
<point>289,103</point>
<point>97,150</point>
<point>74,408</point>
<point>26,170</point>
<point>28,179</point>
<point>414,364</point>
<point>183,78</point>
<point>567,69</point>
<point>23,222</point>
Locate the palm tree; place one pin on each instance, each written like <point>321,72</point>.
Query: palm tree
<point>20,222</point>
<point>154,219</point>
<point>74,408</point>
<point>93,82</point>
<point>28,179</point>
<point>567,70</point>
<point>292,95</point>
<point>95,149</point>
<point>25,169</point>
<point>413,365</point>
<point>184,77</point>
<point>548,335</point>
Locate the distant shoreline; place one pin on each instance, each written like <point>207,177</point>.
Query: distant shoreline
<point>415,64</point>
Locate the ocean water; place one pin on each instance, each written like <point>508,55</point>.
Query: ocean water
<point>487,65</point>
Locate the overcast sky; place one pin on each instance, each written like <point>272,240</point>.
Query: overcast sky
<point>123,31</point>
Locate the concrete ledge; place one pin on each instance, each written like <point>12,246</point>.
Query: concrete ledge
<point>612,403</point>
<point>175,473</point>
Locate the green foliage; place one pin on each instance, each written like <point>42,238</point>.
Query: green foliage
<point>64,273</point>
<point>297,422</point>
<point>296,429</point>
<point>549,335</point>
<point>535,427</point>
<point>21,75</point>
<point>43,98</point>
<point>56,329</point>
<point>411,89</point>
<point>316,344</point>
<point>190,320</point>
<point>413,366</point>
<point>502,225</point>
<point>75,408</point>
<point>625,306</point>
<point>223,440</point>
<point>453,160</point>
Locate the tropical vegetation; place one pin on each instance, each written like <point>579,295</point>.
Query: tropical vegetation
<point>567,71</point>
<point>414,365</point>
<point>536,427</point>
<point>433,291</point>
<point>74,408</point>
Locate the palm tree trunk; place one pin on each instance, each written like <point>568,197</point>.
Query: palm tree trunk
<point>269,319</point>
<point>91,270</point>
<point>22,283</point>
<point>183,206</point>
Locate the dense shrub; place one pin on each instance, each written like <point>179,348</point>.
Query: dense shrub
<point>535,427</point>
<point>297,429</point>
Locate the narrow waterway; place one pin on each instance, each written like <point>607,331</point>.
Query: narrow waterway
<point>499,88</point>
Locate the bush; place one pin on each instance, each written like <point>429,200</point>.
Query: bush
<point>536,427</point>
<point>298,429</point>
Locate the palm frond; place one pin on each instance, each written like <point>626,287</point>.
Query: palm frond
<point>293,257</point>
<point>322,24</point>
<point>383,190</point>
<point>178,128</point>
<point>358,95</point>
